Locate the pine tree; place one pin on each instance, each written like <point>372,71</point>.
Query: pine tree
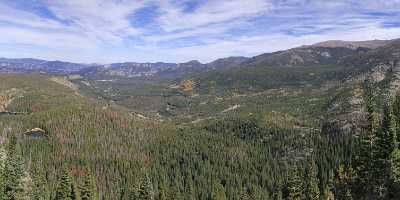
<point>75,194</point>
<point>396,113</point>
<point>66,189</point>
<point>189,190</point>
<point>13,171</point>
<point>328,191</point>
<point>365,154</point>
<point>311,182</point>
<point>295,187</point>
<point>175,192</point>
<point>385,144</point>
<point>145,188</point>
<point>40,189</point>
<point>343,183</point>
<point>88,189</point>
<point>162,190</point>
<point>218,192</point>
<point>395,174</point>
<point>277,193</point>
<point>162,194</point>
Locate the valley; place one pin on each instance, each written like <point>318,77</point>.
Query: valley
<point>236,126</point>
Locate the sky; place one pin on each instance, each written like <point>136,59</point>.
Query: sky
<point>106,31</point>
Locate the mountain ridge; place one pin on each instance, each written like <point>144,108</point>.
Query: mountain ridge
<point>322,53</point>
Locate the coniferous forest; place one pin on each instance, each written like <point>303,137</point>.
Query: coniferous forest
<point>88,151</point>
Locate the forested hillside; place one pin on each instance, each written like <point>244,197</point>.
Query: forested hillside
<point>232,157</point>
<point>325,130</point>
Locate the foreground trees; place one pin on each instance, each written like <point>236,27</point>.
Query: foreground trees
<point>18,184</point>
<point>376,162</point>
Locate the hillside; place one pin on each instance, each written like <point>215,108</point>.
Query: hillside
<point>263,84</point>
<point>81,132</point>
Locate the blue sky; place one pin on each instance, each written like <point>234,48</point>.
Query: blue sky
<point>105,31</point>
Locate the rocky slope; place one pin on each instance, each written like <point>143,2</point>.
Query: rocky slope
<point>381,67</point>
<point>371,44</point>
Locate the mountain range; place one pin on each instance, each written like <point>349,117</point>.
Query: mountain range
<point>324,53</point>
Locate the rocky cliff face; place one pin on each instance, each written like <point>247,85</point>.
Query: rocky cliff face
<point>380,66</point>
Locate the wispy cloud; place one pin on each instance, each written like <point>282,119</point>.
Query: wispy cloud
<point>170,30</point>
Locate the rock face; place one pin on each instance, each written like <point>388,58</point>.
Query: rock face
<point>380,65</point>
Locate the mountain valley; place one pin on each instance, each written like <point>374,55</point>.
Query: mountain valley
<point>236,126</point>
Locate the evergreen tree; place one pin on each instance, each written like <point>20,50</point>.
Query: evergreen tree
<point>40,189</point>
<point>88,189</point>
<point>162,194</point>
<point>343,183</point>
<point>189,190</point>
<point>66,189</point>
<point>218,192</point>
<point>385,144</point>
<point>277,194</point>
<point>145,188</point>
<point>175,192</point>
<point>13,171</point>
<point>162,190</point>
<point>328,190</point>
<point>396,113</point>
<point>311,182</point>
<point>395,174</point>
<point>366,149</point>
<point>295,187</point>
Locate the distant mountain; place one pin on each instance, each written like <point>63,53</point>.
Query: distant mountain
<point>304,56</point>
<point>29,65</point>
<point>370,44</point>
<point>133,69</point>
<point>164,70</point>
<point>324,53</point>
<point>226,63</point>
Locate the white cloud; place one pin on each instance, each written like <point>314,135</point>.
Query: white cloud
<point>174,18</point>
<point>105,20</point>
<point>101,30</point>
<point>250,46</point>
<point>24,18</point>
<point>52,40</point>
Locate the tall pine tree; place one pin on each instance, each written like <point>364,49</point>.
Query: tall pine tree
<point>385,144</point>
<point>311,182</point>
<point>40,189</point>
<point>145,188</point>
<point>66,189</point>
<point>218,192</point>
<point>295,187</point>
<point>366,149</point>
<point>343,182</point>
<point>13,171</point>
<point>88,188</point>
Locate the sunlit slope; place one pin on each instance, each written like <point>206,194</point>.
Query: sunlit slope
<point>79,132</point>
